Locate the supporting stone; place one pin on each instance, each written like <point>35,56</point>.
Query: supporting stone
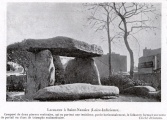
<point>82,70</point>
<point>41,72</point>
<point>59,70</point>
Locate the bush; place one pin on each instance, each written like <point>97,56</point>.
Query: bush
<point>122,82</point>
<point>16,83</point>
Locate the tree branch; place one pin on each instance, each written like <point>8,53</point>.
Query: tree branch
<point>136,21</point>
<point>93,18</point>
<point>116,36</point>
<point>111,20</point>
<point>131,13</point>
<point>120,26</point>
<point>124,8</point>
<point>143,27</point>
<point>100,28</point>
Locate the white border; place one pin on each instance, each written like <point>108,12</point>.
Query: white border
<point>40,107</point>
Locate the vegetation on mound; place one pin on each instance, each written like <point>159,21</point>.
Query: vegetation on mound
<point>122,82</point>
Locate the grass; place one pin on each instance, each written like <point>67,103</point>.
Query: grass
<point>123,98</point>
<point>19,97</point>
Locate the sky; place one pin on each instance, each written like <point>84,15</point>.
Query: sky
<point>47,20</point>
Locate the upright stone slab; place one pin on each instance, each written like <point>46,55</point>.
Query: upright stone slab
<point>59,70</point>
<point>82,70</point>
<point>31,77</point>
<point>45,68</point>
<point>41,72</point>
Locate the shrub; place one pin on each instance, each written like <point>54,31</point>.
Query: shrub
<point>122,82</point>
<point>16,83</point>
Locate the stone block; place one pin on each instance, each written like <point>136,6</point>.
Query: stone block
<point>60,45</point>
<point>82,70</point>
<point>139,90</point>
<point>41,72</point>
<point>75,92</point>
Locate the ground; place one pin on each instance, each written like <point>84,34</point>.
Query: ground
<point>19,96</point>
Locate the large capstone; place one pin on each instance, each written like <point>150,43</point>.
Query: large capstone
<point>82,70</point>
<point>62,46</point>
<point>59,70</point>
<point>41,72</point>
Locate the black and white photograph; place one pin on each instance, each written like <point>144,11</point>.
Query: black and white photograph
<point>84,51</point>
<point>83,60</point>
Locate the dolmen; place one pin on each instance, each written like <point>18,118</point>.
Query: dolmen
<point>45,68</point>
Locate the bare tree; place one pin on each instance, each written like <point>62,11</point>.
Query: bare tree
<point>129,18</point>
<point>101,19</point>
<point>134,17</point>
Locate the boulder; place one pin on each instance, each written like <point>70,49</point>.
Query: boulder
<point>75,92</point>
<point>139,90</point>
<point>41,72</point>
<point>60,45</point>
<point>82,70</point>
<point>59,70</point>
<point>156,95</point>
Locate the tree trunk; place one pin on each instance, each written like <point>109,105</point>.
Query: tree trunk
<point>109,46</point>
<point>128,48</point>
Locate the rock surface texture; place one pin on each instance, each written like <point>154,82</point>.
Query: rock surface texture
<point>60,45</point>
<point>41,72</point>
<point>45,67</point>
<point>59,70</point>
<point>75,92</point>
<point>139,90</point>
<point>82,70</point>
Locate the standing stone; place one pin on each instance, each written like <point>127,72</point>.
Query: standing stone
<point>82,70</point>
<point>59,70</point>
<point>31,76</point>
<point>41,72</point>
